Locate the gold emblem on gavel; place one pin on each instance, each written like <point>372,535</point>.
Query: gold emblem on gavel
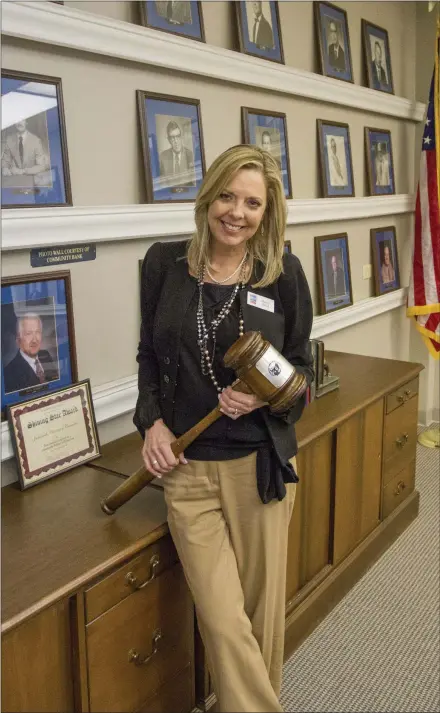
<point>261,370</point>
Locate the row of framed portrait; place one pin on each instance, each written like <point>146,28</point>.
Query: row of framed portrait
<point>34,159</point>
<point>259,35</point>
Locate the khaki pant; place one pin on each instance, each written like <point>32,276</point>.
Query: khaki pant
<point>234,550</point>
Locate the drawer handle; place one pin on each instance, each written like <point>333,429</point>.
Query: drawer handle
<point>132,581</point>
<point>400,399</point>
<point>408,393</point>
<point>135,657</point>
<point>400,487</point>
<point>400,442</point>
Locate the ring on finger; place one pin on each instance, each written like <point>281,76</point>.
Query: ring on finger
<point>155,462</point>
<point>236,412</point>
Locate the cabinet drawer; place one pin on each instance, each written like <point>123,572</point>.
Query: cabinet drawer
<point>125,580</point>
<point>140,644</point>
<point>400,439</point>
<point>402,394</point>
<point>177,697</point>
<point>398,489</point>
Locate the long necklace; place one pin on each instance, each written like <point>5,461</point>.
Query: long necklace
<point>206,332</point>
<point>221,282</point>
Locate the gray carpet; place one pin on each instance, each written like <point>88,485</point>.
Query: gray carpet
<point>378,650</point>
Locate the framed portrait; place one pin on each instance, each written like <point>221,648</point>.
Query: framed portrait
<point>34,163</point>
<point>335,159</point>
<point>333,41</point>
<point>53,433</point>
<point>180,17</point>
<point>377,57</point>
<point>259,29</point>
<point>38,338</point>
<point>385,260</point>
<point>380,166</point>
<point>334,277</point>
<point>269,132</point>
<point>172,145</point>
<point>287,246</point>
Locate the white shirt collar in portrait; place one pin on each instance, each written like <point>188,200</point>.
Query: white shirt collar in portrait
<point>24,135</point>
<point>32,361</point>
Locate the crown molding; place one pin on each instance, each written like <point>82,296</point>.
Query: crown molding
<point>119,397</point>
<point>67,27</point>
<point>25,228</point>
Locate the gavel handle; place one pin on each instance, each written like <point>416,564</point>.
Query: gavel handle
<point>139,480</point>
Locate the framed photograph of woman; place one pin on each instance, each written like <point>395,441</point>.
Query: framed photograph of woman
<point>335,159</point>
<point>331,27</point>
<point>172,145</point>
<point>385,260</point>
<point>380,166</point>
<point>180,17</point>
<point>34,160</point>
<point>38,338</point>
<point>377,57</point>
<point>269,132</point>
<point>334,276</point>
<point>259,29</point>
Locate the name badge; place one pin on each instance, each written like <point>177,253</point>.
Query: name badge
<point>262,302</point>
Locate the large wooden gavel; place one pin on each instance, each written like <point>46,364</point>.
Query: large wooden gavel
<point>261,370</point>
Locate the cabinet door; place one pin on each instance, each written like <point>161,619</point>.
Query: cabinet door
<point>358,479</point>
<point>36,663</point>
<point>309,531</point>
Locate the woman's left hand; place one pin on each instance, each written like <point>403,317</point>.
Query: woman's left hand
<point>235,404</point>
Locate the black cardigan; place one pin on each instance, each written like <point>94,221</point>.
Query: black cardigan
<point>166,293</point>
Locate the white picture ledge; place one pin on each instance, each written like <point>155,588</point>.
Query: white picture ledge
<point>25,228</point>
<point>119,397</point>
<point>67,27</point>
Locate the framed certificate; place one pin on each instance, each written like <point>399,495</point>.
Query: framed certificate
<point>53,433</point>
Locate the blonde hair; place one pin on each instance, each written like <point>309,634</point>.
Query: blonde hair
<point>267,245</point>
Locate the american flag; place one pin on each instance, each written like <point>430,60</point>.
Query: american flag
<point>424,287</point>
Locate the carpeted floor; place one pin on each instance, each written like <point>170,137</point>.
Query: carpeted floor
<point>378,651</point>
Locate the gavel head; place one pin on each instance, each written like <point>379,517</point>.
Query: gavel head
<point>267,373</point>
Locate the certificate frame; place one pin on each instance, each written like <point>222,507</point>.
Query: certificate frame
<point>54,433</point>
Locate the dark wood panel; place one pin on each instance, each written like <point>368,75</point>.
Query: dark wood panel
<point>399,438</point>
<point>175,697</point>
<point>309,530</point>
<point>398,489</point>
<point>36,663</point>
<point>358,479</point>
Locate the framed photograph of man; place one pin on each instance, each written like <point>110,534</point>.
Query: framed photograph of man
<point>380,166</point>
<point>269,132</point>
<point>180,17</point>
<point>38,338</point>
<point>172,144</point>
<point>334,277</point>
<point>331,27</point>
<point>259,29</point>
<point>335,159</point>
<point>385,260</point>
<point>287,246</point>
<point>34,160</point>
<point>377,57</point>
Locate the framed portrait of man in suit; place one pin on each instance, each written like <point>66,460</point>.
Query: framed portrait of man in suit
<point>34,160</point>
<point>259,29</point>
<point>385,260</point>
<point>333,268</point>
<point>38,339</point>
<point>172,145</point>
<point>380,166</point>
<point>269,132</point>
<point>335,159</point>
<point>377,57</point>
<point>331,27</point>
<point>180,17</point>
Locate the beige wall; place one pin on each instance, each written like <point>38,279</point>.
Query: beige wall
<point>106,166</point>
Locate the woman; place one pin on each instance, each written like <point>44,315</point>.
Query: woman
<point>230,497</point>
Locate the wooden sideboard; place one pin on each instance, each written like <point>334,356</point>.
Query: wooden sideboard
<point>96,614</point>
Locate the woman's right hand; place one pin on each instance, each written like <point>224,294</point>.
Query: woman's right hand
<point>156,452</point>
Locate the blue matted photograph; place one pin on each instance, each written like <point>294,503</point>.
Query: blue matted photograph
<point>180,17</point>
<point>385,260</point>
<point>380,166</point>
<point>334,276</point>
<point>34,161</point>
<point>377,57</point>
<point>172,143</point>
<point>335,159</point>
<point>333,41</point>
<point>38,340</point>
<point>259,29</point>
<point>269,132</point>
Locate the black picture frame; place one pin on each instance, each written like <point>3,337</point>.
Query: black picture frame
<point>333,41</point>
<point>333,272</point>
<point>379,162</point>
<point>183,18</point>
<point>335,159</point>
<point>267,43</point>
<point>257,125</point>
<point>385,260</point>
<point>377,57</point>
